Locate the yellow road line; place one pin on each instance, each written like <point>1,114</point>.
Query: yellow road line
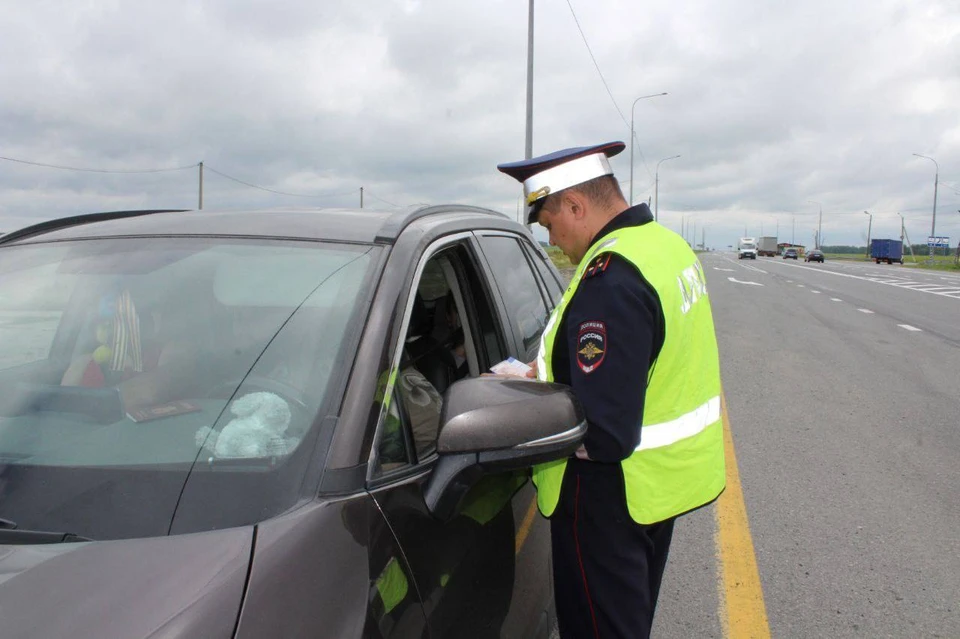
<point>742,608</point>
<point>525,525</point>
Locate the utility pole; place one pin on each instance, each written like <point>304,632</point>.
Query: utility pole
<point>819,227</point>
<point>633,137</point>
<point>957,261</point>
<point>936,182</point>
<point>529,139</point>
<point>818,241</point>
<point>361,197</point>
<point>200,206</point>
<point>869,228</point>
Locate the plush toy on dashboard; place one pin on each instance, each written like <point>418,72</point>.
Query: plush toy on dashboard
<point>258,429</point>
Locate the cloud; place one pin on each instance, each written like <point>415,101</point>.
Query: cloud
<point>769,105</point>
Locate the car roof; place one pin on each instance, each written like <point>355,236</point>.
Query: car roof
<point>339,224</point>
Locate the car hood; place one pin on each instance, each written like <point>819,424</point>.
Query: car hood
<point>162,587</point>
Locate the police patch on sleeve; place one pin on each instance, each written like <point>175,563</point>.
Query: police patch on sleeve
<point>591,346</point>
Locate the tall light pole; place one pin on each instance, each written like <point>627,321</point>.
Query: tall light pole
<point>529,138</point>
<point>936,181</point>
<point>656,189</point>
<point>869,228</point>
<point>819,223</point>
<point>632,141</point>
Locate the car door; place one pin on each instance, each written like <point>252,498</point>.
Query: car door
<point>485,572</point>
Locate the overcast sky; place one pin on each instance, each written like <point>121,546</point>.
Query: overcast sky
<point>770,105</point>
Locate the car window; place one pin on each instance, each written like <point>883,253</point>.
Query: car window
<point>449,334</point>
<point>519,290</point>
<point>155,353</point>
<point>33,300</point>
<point>547,275</point>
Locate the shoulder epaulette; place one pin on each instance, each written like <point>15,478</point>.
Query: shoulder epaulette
<point>598,266</point>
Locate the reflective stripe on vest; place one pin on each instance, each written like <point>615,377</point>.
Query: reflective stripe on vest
<point>688,425</point>
<point>679,463</point>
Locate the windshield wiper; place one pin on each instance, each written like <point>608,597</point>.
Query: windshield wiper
<point>10,534</point>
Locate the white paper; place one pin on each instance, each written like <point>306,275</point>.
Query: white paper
<point>511,366</point>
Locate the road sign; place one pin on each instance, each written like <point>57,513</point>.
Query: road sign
<point>938,242</point>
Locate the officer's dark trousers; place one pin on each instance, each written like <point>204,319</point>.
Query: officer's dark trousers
<point>606,567</point>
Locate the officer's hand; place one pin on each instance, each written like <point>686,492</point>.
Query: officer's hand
<point>532,373</point>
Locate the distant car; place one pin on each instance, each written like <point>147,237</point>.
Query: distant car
<point>791,253</point>
<point>815,256</point>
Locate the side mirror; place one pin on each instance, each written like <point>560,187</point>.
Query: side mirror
<point>496,424</point>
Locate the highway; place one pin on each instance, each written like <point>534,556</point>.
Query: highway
<point>842,387</point>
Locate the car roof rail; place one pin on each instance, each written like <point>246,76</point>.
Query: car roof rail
<point>77,220</point>
<point>400,220</point>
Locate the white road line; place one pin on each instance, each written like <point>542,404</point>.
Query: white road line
<point>817,292</point>
<point>882,280</point>
<point>728,270</point>
<point>835,299</point>
<point>865,310</point>
<point>910,328</point>
<point>735,280</point>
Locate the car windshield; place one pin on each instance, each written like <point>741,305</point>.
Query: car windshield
<point>747,246</point>
<point>167,385</point>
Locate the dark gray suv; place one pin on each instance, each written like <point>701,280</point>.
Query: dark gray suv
<point>275,424</point>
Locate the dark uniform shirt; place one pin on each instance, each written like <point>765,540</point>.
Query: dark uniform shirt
<point>613,331</point>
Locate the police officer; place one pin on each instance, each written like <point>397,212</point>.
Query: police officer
<point>633,335</point>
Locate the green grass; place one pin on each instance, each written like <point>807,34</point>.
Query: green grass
<point>559,260</point>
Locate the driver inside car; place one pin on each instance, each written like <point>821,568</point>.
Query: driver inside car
<point>128,352</point>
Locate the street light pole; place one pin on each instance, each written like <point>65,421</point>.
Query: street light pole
<point>936,182</point>
<point>642,97</point>
<point>869,228</point>
<point>529,136</point>
<point>819,223</point>
<point>656,213</point>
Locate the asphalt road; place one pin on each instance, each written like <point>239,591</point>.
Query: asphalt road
<point>842,385</point>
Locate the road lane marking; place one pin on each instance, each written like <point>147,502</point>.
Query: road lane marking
<point>733,279</point>
<point>865,310</point>
<point>742,607</point>
<point>525,526</point>
<point>801,286</point>
<point>727,270</point>
<point>910,328</point>
<point>835,299</point>
<point>817,292</point>
<point>885,280</point>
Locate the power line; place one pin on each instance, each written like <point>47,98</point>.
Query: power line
<point>955,190</point>
<point>263,188</point>
<point>606,86</point>
<point>599,72</point>
<point>74,168</point>
<point>367,192</point>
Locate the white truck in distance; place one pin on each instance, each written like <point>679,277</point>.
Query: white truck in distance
<point>747,247</point>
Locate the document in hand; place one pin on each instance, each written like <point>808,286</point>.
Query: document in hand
<point>511,366</point>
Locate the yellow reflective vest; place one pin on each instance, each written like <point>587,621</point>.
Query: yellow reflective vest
<point>679,464</point>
